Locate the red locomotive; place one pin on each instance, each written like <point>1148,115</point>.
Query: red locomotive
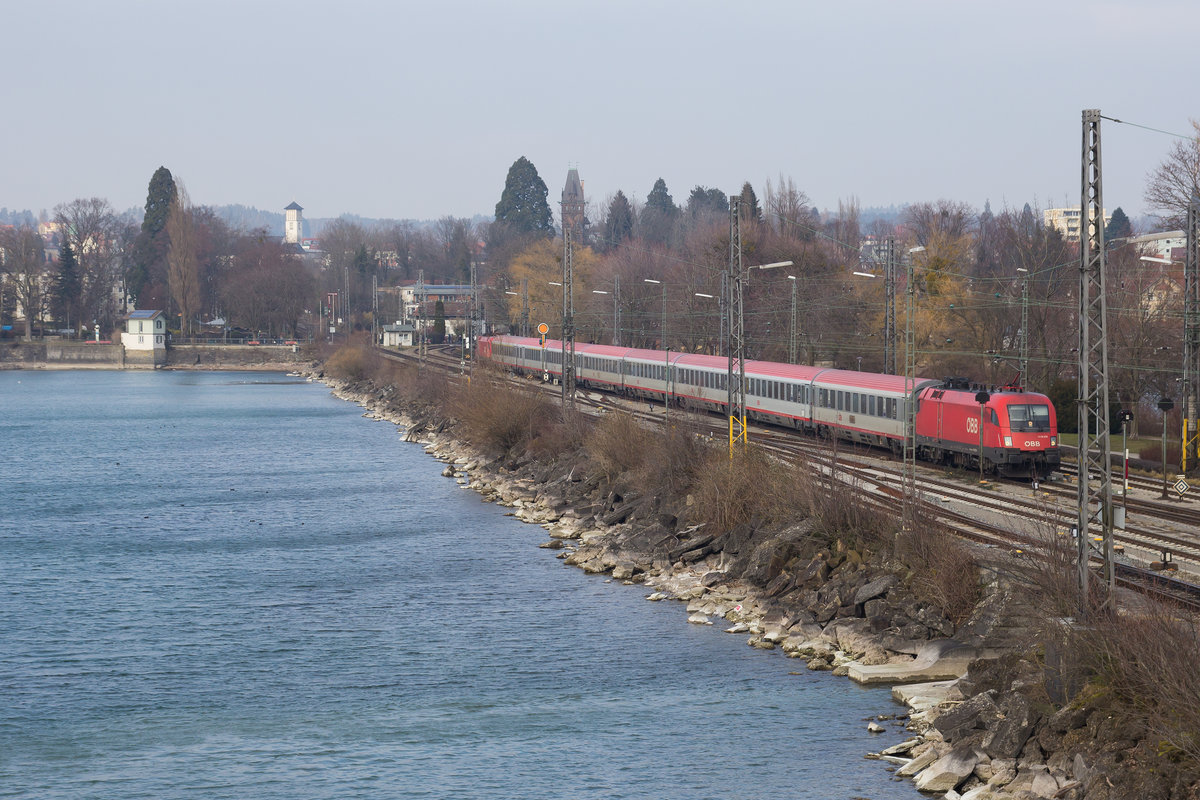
<point>1019,428</point>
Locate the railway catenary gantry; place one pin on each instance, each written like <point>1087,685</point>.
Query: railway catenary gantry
<point>1013,431</point>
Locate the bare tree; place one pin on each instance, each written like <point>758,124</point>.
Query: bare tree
<point>1173,184</point>
<point>788,209</point>
<point>96,234</point>
<point>183,275</point>
<point>950,218</point>
<point>23,264</point>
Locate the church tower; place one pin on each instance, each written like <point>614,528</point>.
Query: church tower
<point>293,224</point>
<point>572,207</point>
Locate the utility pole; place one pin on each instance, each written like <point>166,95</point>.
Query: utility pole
<point>1191,339</point>
<point>374,310</point>
<point>617,312</point>
<point>889,306</point>
<point>736,377</point>
<point>474,323</point>
<point>723,308</point>
<point>1095,468</point>
<point>793,333</point>
<point>525,307</point>
<point>568,323</point>
<point>1023,354</point>
<point>420,295</point>
<point>908,521</point>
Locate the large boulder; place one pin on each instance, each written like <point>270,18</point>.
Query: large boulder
<point>1007,736</point>
<point>948,771</point>
<point>979,711</point>
<point>874,588</point>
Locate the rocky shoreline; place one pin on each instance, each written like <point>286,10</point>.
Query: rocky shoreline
<point>980,722</point>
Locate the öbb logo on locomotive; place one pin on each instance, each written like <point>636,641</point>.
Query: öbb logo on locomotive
<point>1020,430</point>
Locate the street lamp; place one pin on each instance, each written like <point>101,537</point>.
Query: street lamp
<point>663,335</point>
<point>793,333</point>
<point>737,333</point>
<point>600,291</point>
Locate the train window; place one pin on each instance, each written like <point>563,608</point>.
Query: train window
<point>871,406</point>
<point>1029,418</point>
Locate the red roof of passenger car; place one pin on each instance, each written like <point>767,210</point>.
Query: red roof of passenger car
<point>852,379</point>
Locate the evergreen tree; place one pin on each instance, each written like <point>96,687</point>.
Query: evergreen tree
<point>68,286</point>
<point>523,209</point>
<point>364,262</point>
<point>149,262</point>
<point>749,204</point>
<point>439,322</point>
<point>657,220</point>
<point>1119,227</point>
<point>618,226</point>
<point>704,202</point>
<point>660,200</point>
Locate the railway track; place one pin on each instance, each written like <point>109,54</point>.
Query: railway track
<point>1001,515</point>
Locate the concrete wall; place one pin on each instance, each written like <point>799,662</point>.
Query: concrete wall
<point>76,354</point>
<point>199,356</point>
<point>30,355</point>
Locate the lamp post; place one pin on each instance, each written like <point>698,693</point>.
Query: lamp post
<point>600,291</point>
<point>1165,405</point>
<point>888,333</point>
<point>793,334</point>
<point>663,336</point>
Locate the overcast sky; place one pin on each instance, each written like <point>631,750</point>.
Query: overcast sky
<point>417,109</point>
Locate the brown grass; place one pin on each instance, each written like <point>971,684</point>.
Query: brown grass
<point>748,488</point>
<point>945,571</point>
<point>352,361</point>
<point>1137,655</point>
<point>499,418</point>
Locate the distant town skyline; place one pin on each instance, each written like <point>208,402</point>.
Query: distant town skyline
<point>416,111</point>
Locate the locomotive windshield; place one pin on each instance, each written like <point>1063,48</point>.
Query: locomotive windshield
<point>1029,418</point>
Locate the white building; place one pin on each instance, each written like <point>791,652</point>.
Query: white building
<point>293,223</point>
<point>398,335</point>
<point>1067,221</point>
<point>1167,244</point>
<point>145,337</point>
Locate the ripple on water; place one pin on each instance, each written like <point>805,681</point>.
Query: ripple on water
<point>346,623</point>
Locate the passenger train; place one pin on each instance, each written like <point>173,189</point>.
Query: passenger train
<point>1019,428</point>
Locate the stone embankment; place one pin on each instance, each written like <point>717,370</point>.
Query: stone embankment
<point>980,720</point>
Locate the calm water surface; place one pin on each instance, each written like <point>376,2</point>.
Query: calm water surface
<point>231,585</point>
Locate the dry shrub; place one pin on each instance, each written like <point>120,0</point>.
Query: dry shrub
<point>500,418</point>
<point>1147,658</point>
<point>1141,658</point>
<point>842,514</point>
<point>618,444</point>
<point>749,487</point>
<point>352,361</point>
<point>560,434</point>
<point>657,460</point>
<point>945,571</point>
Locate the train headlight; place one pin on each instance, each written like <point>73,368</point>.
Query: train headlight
<point>1008,441</point>
<point>1053,441</point>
